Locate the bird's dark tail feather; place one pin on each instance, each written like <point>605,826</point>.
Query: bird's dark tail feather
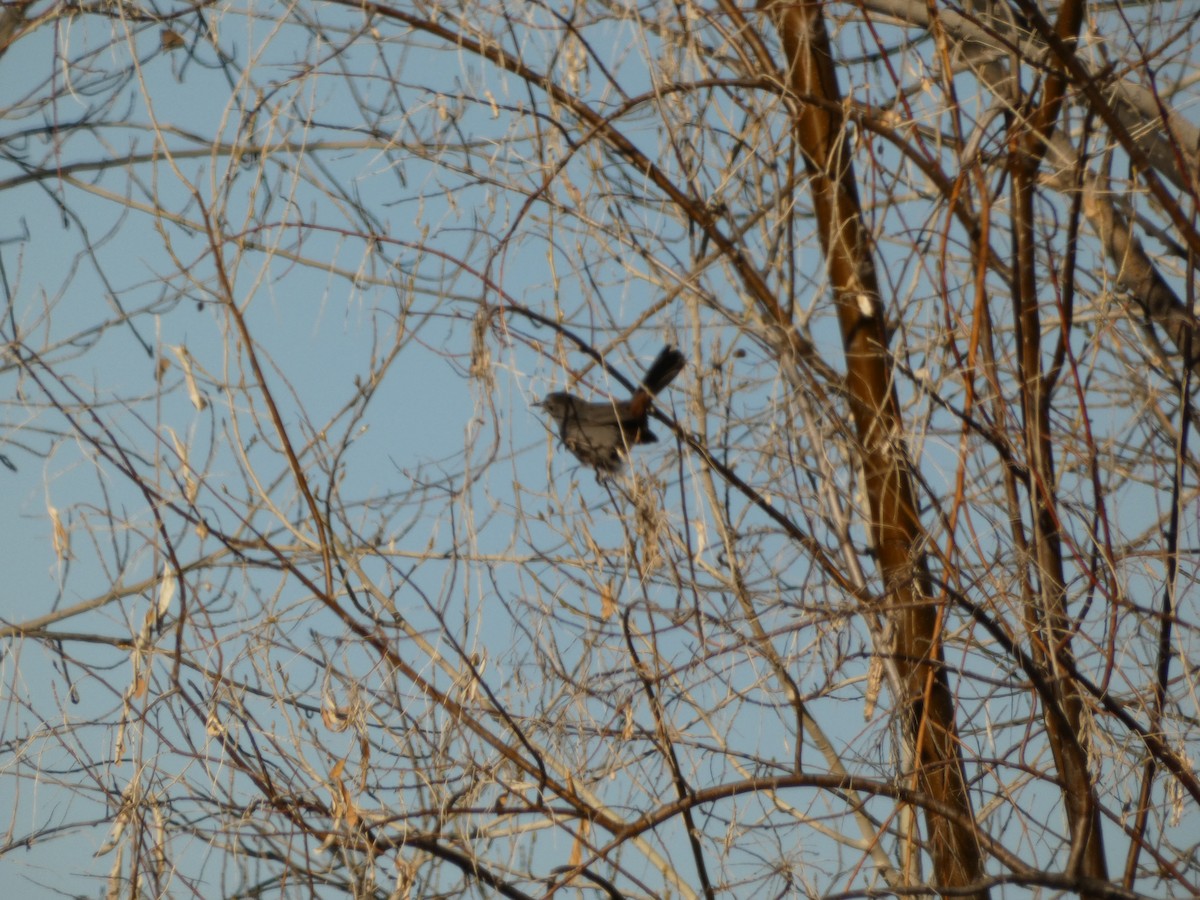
<point>662,371</point>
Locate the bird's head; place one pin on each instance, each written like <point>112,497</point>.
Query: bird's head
<point>556,404</point>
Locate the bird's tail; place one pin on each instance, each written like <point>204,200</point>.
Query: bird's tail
<point>663,370</point>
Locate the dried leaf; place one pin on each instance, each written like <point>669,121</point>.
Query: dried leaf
<point>160,840</point>
<point>213,725</point>
<point>60,536</point>
<point>364,748</point>
<point>701,539</point>
<point>608,603</point>
<point>166,590</point>
<point>118,825</point>
<point>576,857</point>
<point>185,362</point>
<point>191,487</point>
<point>874,680</point>
<point>336,718</point>
<point>119,743</point>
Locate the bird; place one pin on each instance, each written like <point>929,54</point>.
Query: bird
<point>600,434</point>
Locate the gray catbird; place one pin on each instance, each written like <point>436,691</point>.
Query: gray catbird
<point>599,434</point>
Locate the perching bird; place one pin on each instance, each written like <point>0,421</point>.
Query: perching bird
<point>599,434</point>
